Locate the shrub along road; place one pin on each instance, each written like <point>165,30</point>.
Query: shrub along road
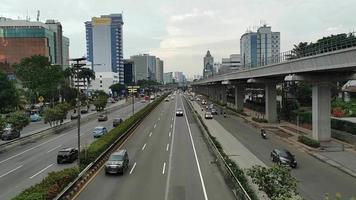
<point>28,164</point>
<point>164,153</point>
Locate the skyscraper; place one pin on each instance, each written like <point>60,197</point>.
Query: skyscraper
<point>159,70</point>
<point>260,48</point>
<point>145,67</point>
<point>208,65</point>
<point>104,44</point>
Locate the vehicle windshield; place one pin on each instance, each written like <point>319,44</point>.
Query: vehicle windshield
<point>98,129</point>
<point>116,158</point>
<point>285,154</point>
<point>62,153</point>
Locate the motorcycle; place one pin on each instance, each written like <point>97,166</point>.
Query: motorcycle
<point>263,134</point>
<point>224,115</point>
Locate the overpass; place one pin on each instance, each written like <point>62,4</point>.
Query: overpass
<point>321,70</point>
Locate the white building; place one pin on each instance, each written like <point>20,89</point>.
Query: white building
<point>259,48</point>
<point>230,64</point>
<point>103,81</point>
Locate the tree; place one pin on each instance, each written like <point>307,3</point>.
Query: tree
<point>18,120</point>
<point>100,99</point>
<point>117,88</point>
<point>38,75</point>
<point>9,98</point>
<point>277,181</point>
<point>56,115</point>
<point>86,74</point>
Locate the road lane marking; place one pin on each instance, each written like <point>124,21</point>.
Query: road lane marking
<point>154,126</point>
<point>171,125</point>
<point>167,147</point>
<point>54,148</point>
<point>11,171</point>
<point>195,155</point>
<point>144,146</point>
<point>159,119</point>
<point>164,167</point>
<point>133,167</point>
<point>170,158</point>
<point>172,118</point>
<point>41,171</point>
<point>11,157</point>
<point>169,134</point>
<point>150,134</point>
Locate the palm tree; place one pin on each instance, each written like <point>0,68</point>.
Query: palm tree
<point>86,74</point>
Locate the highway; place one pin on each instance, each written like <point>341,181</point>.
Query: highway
<point>315,178</point>
<point>28,164</point>
<point>168,160</point>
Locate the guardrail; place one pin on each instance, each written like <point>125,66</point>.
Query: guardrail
<point>236,186</point>
<point>72,189</point>
<point>54,130</point>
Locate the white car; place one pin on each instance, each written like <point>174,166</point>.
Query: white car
<point>179,112</point>
<point>208,115</point>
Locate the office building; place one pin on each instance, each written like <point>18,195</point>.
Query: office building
<point>23,38</point>
<point>65,52</point>
<point>168,78</point>
<point>208,69</point>
<point>145,67</point>
<point>105,46</point>
<point>159,70</point>
<point>230,64</point>
<point>129,67</point>
<point>259,48</point>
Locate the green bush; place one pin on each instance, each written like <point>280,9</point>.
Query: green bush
<point>50,186</point>
<point>96,148</point>
<point>308,141</point>
<point>342,125</point>
<point>259,120</point>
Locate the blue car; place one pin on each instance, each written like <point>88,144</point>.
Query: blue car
<point>99,131</point>
<point>35,117</point>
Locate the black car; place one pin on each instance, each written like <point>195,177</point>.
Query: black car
<point>67,155</point>
<point>74,116</point>
<point>117,121</point>
<point>84,111</point>
<point>283,157</point>
<point>118,162</point>
<point>9,134</point>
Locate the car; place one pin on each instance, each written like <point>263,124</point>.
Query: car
<point>117,121</point>
<point>35,117</point>
<point>74,116</point>
<point>203,102</point>
<point>283,157</point>
<point>208,115</point>
<point>10,133</point>
<point>179,112</point>
<point>152,97</point>
<point>143,101</point>
<point>99,131</point>
<point>118,162</point>
<point>191,98</point>
<point>84,111</point>
<point>103,117</point>
<point>197,99</point>
<point>214,111</point>
<point>67,155</point>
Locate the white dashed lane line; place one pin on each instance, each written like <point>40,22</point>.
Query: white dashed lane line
<point>133,167</point>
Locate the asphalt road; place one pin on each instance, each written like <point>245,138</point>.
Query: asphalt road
<point>168,160</point>
<point>28,164</point>
<point>315,178</point>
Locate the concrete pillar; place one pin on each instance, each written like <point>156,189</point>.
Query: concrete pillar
<point>321,97</point>
<point>223,96</point>
<point>271,102</point>
<point>239,96</point>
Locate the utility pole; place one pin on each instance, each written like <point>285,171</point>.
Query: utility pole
<point>133,104</point>
<point>77,67</point>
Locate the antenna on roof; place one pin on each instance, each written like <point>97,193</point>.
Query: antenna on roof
<point>38,15</point>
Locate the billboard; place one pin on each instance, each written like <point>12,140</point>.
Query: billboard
<point>101,21</point>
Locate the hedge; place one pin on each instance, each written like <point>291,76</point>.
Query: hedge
<point>259,120</point>
<point>343,125</point>
<point>308,141</point>
<point>96,148</point>
<point>50,186</point>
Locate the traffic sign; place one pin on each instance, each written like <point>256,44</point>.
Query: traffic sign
<point>133,87</point>
<point>40,98</point>
<point>132,90</point>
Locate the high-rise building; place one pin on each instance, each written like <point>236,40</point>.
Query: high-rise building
<point>230,64</point>
<point>104,44</point>
<point>159,70</point>
<point>168,78</point>
<point>145,67</point>
<point>208,69</point>
<point>23,38</point>
<point>129,71</point>
<point>65,52</point>
<point>260,48</point>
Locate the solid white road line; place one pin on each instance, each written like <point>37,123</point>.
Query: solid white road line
<point>11,171</point>
<point>150,134</point>
<point>159,119</point>
<point>171,125</point>
<point>11,157</point>
<point>154,126</point>
<point>144,146</point>
<point>167,147</point>
<point>41,171</point>
<point>133,167</point>
<point>164,167</point>
<point>169,134</point>
<point>172,118</point>
<point>170,158</point>
<point>54,148</point>
<point>195,155</point>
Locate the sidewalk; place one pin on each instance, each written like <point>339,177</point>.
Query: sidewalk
<point>336,153</point>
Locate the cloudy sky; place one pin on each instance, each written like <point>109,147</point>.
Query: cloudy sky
<point>181,31</point>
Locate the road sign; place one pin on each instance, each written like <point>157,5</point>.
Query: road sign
<point>133,87</point>
<point>132,90</point>
<point>40,98</point>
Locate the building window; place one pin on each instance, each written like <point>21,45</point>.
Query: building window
<point>101,81</point>
<point>101,85</point>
